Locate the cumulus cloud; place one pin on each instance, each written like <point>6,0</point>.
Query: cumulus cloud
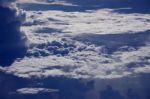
<point>12,40</point>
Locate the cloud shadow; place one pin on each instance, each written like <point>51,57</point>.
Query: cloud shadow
<point>113,42</point>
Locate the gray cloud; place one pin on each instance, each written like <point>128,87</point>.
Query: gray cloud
<point>12,40</point>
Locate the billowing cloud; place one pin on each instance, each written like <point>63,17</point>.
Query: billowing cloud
<point>12,40</point>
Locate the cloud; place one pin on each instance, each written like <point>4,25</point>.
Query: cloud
<point>95,44</point>
<point>88,62</point>
<point>35,90</point>
<point>12,40</point>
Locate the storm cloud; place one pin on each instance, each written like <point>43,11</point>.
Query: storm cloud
<point>12,40</point>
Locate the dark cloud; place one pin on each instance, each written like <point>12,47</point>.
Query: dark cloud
<point>12,40</point>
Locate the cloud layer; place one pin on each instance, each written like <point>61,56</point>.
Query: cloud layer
<point>97,43</point>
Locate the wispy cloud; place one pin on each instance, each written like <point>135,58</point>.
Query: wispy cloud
<point>36,90</point>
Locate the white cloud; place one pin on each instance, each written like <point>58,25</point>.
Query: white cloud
<point>87,63</point>
<point>100,22</point>
<point>35,90</point>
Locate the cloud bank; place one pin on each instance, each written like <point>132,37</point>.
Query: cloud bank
<point>93,44</point>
